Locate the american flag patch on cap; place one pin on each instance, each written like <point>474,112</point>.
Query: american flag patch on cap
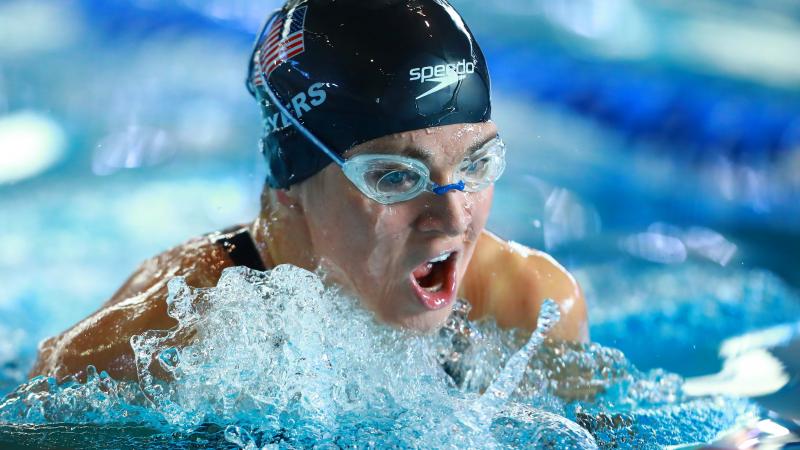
<point>275,50</point>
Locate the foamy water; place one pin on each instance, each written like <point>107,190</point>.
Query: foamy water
<point>276,358</point>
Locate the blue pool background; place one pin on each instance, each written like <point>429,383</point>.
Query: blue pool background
<point>654,149</point>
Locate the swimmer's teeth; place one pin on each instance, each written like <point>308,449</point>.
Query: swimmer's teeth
<point>440,258</point>
<point>433,288</point>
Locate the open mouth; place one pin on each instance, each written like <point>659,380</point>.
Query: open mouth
<point>434,281</point>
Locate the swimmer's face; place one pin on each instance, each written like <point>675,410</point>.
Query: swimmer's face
<point>381,252</point>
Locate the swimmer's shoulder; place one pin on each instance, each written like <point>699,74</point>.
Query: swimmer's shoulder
<point>103,338</point>
<point>200,260</point>
<point>511,281</point>
<point>554,281</point>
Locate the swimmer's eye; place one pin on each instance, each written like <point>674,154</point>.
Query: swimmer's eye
<point>476,169</point>
<point>483,167</point>
<point>393,181</point>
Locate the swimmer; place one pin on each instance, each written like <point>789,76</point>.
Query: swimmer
<point>381,159</point>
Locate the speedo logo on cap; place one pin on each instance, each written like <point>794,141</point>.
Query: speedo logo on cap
<point>443,74</point>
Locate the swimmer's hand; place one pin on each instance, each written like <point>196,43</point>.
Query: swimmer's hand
<point>509,282</point>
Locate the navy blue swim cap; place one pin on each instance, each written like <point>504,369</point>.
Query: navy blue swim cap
<point>355,70</point>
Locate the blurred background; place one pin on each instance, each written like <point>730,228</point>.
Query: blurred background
<point>654,149</point>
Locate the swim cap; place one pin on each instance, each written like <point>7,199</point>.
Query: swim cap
<point>355,70</point>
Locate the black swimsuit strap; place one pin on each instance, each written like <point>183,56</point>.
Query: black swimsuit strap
<point>240,246</point>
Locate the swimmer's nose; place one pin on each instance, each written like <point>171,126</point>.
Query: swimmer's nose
<point>446,214</point>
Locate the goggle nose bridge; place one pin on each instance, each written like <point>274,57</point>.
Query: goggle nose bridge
<point>441,190</point>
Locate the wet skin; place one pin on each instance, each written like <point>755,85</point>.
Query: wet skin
<point>305,226</point>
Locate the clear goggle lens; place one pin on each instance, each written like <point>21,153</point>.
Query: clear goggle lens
<point>483,167</point>
<point>391,179</point>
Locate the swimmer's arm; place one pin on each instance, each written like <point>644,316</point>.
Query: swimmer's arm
<point>509,281</point>
<point>103,338</point>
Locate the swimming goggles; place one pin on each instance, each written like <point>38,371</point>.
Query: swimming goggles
<point>388,178</point>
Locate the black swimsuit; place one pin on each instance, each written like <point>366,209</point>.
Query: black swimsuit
<point>239,244</point>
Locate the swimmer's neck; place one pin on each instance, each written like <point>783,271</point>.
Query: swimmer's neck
<point>282,237</point>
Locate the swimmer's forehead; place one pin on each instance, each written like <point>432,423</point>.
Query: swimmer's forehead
<point>425,144</point>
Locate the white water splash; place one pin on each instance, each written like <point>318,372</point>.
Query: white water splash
<point>278,350</point>
<point>274,358</point>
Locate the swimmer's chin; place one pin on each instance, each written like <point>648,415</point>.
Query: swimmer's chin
<point>414,318</point>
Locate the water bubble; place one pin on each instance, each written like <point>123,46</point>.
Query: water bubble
<point>169,358</point>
